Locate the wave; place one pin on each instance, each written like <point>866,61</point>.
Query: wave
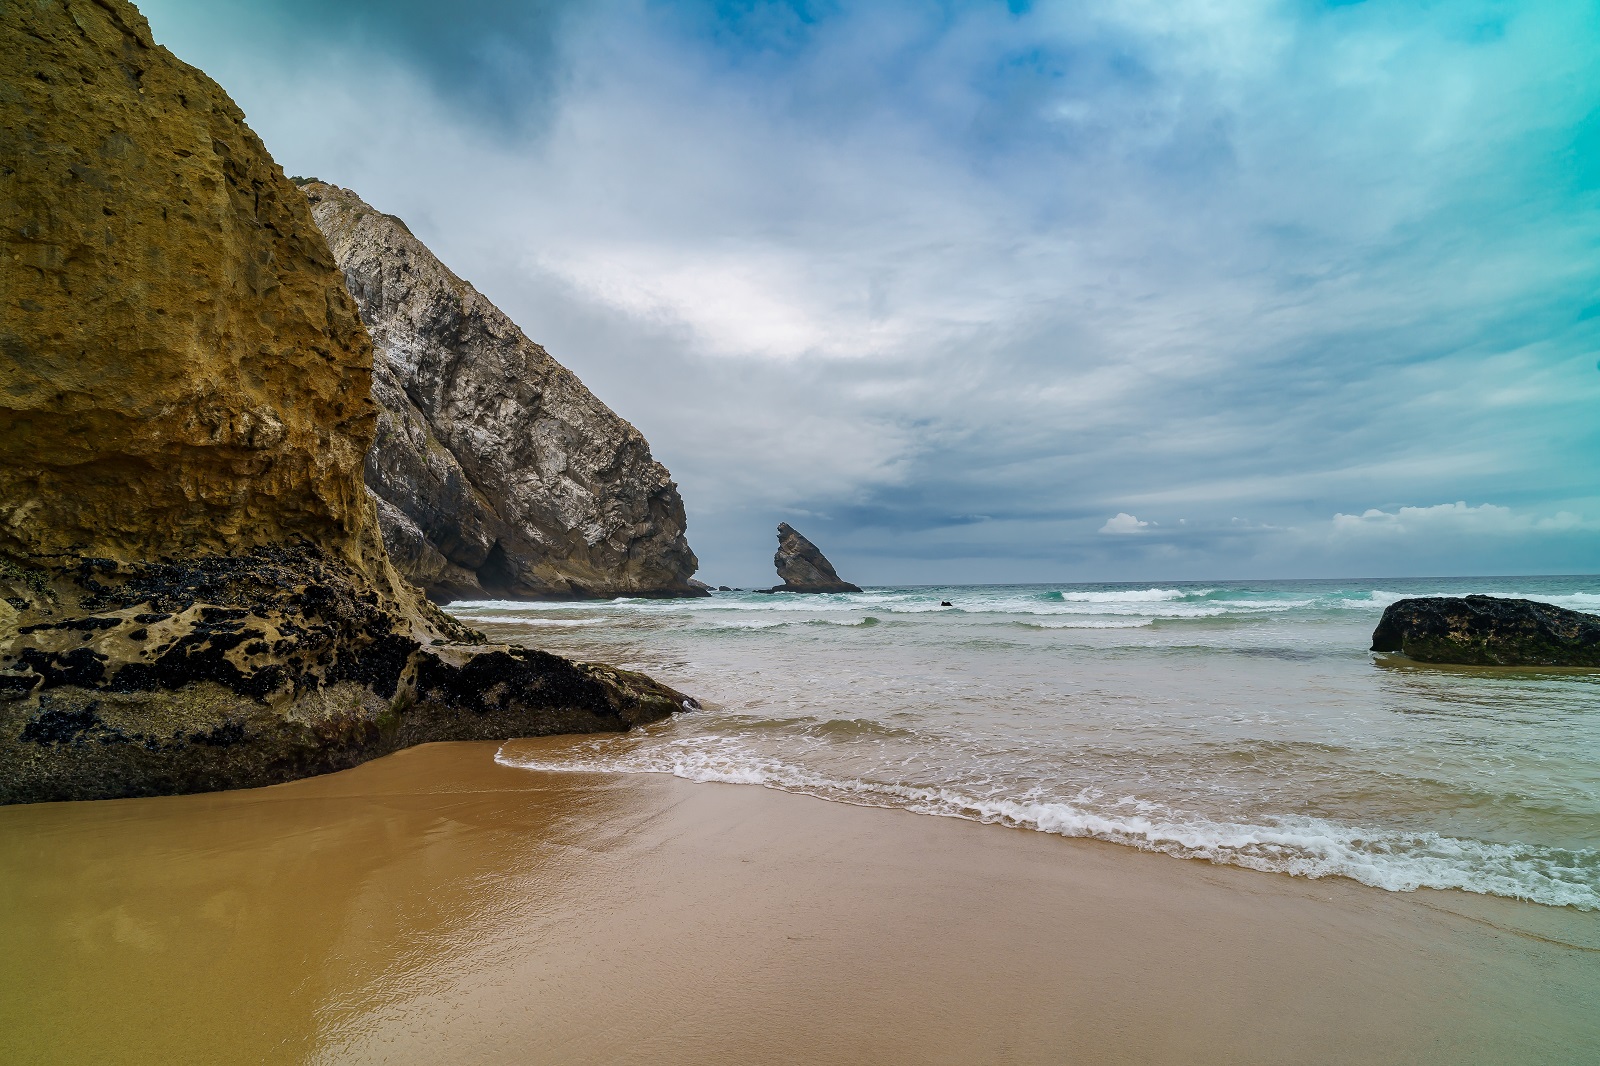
<point>1127,595</point>
<point>973,603</point>
<point>1572,601</point>
<point>1090,623</point>
<point>525,621</point>
<point>781,623</point>
<point>1379,598</point>
<point>1396,861</point>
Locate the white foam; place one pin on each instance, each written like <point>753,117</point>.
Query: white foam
<point>1133,595</point>
<point>1301,847</point>
<point>845,608</point>
<point>522,621</point>
<point>775,623</point>
<point>1574,601</point>
<point>1092,623</point>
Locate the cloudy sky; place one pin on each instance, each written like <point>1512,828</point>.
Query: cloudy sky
<point>987,291</point>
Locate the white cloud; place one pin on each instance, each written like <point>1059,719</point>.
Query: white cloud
<point>1455,519</point>
<point>1123,524</point>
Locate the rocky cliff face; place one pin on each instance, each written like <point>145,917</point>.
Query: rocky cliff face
<point>193,591</point>
<point>803,567</point>
<point>498,474</point>
<point>180,372</point>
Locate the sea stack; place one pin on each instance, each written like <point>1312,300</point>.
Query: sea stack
<point>497,473</point>
<point>193,591</point>
<point>803,567</point>
<point>1488,631</point>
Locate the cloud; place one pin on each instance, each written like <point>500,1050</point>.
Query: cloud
<point>899,264</point>
<point>1457,520</point>
<point>1123,524</point>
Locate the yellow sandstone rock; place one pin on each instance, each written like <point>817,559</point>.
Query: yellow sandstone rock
<point>195,592</point>
<point>183,370</point>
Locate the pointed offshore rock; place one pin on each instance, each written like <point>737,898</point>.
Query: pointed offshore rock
<point>803,567</point>
<point>498,474</point>
<point>193,591</point>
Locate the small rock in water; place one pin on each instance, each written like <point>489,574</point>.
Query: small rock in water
<point>1488,631</point>
<point>946,603</point>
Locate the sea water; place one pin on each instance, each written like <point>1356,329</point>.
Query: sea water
<point>1237,722</point>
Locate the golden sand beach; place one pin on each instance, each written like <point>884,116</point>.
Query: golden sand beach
<point>435,907</point>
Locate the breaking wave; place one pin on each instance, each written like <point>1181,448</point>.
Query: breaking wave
<point>1299,846</point>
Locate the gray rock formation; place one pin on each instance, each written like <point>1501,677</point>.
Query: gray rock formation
<point>804,568</point>
<point>498,474</point>
<point>1488,631</point>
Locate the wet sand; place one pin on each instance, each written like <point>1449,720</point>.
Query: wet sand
<point>433,907</point>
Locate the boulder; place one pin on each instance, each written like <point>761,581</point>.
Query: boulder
<point>195,592</point>
<point>499,474</point>
<point>1488,631</point>
<point>803,567</point>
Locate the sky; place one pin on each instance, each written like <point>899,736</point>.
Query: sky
<point>1012,292</point>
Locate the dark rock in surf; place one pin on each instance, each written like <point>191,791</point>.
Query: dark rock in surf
<point>804,568</point>
<point>1488,631</point>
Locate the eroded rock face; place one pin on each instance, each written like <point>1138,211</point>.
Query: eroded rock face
<point>502,474</point>
<point>1488,631</point>
<point>181,373</point>
<point>193,591</point>
<point>803,567</point>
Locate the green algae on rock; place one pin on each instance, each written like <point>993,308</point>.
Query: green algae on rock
<point>193,591</point>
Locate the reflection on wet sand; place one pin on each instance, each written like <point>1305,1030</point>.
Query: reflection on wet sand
<point>267,922</point>
<point>436,907</point>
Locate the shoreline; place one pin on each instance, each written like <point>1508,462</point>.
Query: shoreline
<point>434,906</point>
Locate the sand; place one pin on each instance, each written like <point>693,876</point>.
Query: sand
<point>434,907</point>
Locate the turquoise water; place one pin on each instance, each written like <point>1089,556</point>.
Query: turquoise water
<point>1241,723</point>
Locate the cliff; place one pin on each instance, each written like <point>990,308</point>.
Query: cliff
<point>193,590</point>
<point>182,373</point>
<point>498,473</point>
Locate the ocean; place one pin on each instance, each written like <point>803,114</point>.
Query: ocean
<point>1241,723</point>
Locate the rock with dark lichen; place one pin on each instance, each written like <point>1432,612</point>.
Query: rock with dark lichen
<point>233,671</point>
<point>803,567</point>
<point>193,591</point>
<point>1488,631</point>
